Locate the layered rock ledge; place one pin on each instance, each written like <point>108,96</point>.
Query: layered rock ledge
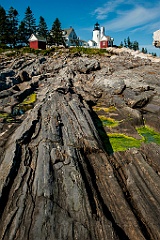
<point>61,177</point>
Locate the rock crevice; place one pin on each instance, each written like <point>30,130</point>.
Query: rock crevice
<point>60,175</point>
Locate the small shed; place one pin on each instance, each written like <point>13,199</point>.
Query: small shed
<point>37,42</point>
<point>106,41</point>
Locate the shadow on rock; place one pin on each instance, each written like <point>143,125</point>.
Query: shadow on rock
<point>102,133</point>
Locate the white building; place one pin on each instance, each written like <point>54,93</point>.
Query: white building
<point>71,38</point>
<point>99,39</point>
<point>92,43</point>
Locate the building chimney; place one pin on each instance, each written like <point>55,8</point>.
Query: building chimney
<point>102,31</point>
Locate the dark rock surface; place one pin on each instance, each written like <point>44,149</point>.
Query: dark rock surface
<point>58,180</point>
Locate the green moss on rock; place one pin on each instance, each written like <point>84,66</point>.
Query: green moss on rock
<point>108,122</point>
<point>30,99</point>
<point>6,117</point>
<point>26,105</point>
<point>149,134</point>
<point>114,142</point>
<point>122,142</point>
<point>105,109</point>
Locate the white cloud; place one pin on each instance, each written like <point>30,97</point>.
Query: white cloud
<point>134,18</point>
<point>140,17</point>
<point>102,12</point>
<point>148,28</point>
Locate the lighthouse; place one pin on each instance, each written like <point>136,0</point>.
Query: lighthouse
<point>99,39</point>
<point>96,34</point>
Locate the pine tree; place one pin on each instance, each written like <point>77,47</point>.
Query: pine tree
<point>22,39</point>
<point>125,43</point>
<point>3,27</point>
<point>56,36</point>
<point>129,43</point>
<point>121,44</point>
<point>145,50</point>
<point>135,45</point>
<point>29,23</point>
<point>12,25</point>
<point>42,27</point>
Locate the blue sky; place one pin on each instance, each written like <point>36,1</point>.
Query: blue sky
<point>121,18</point>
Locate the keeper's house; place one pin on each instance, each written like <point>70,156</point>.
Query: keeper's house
<point>37,42</point>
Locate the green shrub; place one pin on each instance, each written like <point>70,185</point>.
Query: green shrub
<point>89,51</point>
<point>11,54</point>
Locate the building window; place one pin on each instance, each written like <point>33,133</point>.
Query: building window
<point>103,43</point>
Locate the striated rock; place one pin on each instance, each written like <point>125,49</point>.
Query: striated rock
<point>60,175</point>
<point>85,65</point>
<point>24,76</point>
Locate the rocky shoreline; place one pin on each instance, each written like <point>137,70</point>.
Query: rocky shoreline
<point>80,146</point>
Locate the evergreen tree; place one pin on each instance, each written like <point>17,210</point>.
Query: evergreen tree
<point>3,26</point>
<point>22,39</point>
<point>129,43</point>
<point>154,54</point>
<point>29,23</point>
<point>121,44</point>
<point>125,43</point>
<point>12,26</point>
<point>42,27</point>
<point>135,45</point>
<point>144,50</point>
<point>56,36</point>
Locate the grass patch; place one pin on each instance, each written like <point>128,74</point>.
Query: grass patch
<point>121,142</point>
<point>114,142</point>
<point>109,109</point>
<point>7,117</point>
<point>4,115</point>
<point>108,122</point>
<point>24,106</point>
<point>49,51</point>
<point>89,51</point>
<point>149,134</point>
<point>30,99</point>
<point>24,50</point>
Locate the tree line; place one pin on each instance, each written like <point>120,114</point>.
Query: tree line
<point>14,33</point>
<point>134,45</point>
<point>131,45</point>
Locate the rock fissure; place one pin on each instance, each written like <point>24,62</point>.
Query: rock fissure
<point>122,179</point>
<point>60,176</point>
<point>10,178</point>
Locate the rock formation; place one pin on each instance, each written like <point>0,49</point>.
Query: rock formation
<point>62,174</point>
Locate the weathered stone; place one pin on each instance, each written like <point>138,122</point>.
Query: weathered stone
<point>152,108</point>
<point>57,178</point>
<point>86,66</point>
<point>24,76</point>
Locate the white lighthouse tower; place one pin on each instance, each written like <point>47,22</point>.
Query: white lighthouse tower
<point>102,32</point>
<point>96,34</point>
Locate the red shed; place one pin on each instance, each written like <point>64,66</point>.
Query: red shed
<point>106,41</point>
<point>37,42</point>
